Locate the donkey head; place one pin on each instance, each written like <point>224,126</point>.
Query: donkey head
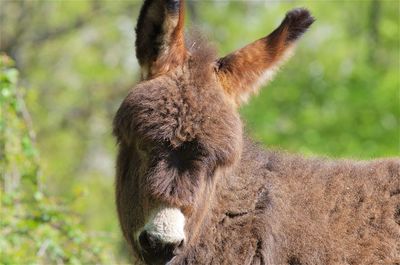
<point>179,128</point>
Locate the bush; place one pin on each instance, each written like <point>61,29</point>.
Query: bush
<point>34,228</point>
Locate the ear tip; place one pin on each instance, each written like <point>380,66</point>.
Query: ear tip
<point>300,16</point>
<point>173,5</point>
<point>297,21</point>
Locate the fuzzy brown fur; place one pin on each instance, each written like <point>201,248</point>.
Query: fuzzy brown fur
<point>181,144</point>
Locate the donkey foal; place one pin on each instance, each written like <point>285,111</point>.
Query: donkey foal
<point>192,189</point>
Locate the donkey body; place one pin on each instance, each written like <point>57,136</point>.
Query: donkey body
<point>192,189</point>
<point>277,208</point>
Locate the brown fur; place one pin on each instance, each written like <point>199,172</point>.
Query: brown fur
<point>240,80</point>
<point>181,144</point>
<point>160,40</point>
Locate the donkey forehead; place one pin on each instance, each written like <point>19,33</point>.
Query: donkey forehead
<point>174,108</point>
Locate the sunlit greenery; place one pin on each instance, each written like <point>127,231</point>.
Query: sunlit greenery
<point>74,63</point>
<point>34,227</point>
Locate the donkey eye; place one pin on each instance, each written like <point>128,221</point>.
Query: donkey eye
<point>139,146</point>
<point>143,147</point>
<point>188,152</point>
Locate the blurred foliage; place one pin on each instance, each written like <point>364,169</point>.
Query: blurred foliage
<point>34,227</point>
<point>338,96</point>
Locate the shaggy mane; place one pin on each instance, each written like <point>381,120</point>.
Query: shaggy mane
<point>203,52</point>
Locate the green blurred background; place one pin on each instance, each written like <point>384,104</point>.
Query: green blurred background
<point>72,63</point>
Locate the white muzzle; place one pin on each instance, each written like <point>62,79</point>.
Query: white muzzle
<point>167,225</point>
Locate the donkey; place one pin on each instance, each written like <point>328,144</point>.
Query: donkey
<point>191,188</point>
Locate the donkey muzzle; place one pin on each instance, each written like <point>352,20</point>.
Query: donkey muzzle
<point>162,236</point>
<point>155,251</point>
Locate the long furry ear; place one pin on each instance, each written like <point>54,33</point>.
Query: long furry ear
<point>243,72</point>
<point>160,44</point>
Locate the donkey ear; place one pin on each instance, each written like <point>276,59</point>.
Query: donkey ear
<point>160,43</point>
<point>243,72</point>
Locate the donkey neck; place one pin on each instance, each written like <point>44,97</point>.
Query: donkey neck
<point>238,189</point>
<point>235,192</point>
